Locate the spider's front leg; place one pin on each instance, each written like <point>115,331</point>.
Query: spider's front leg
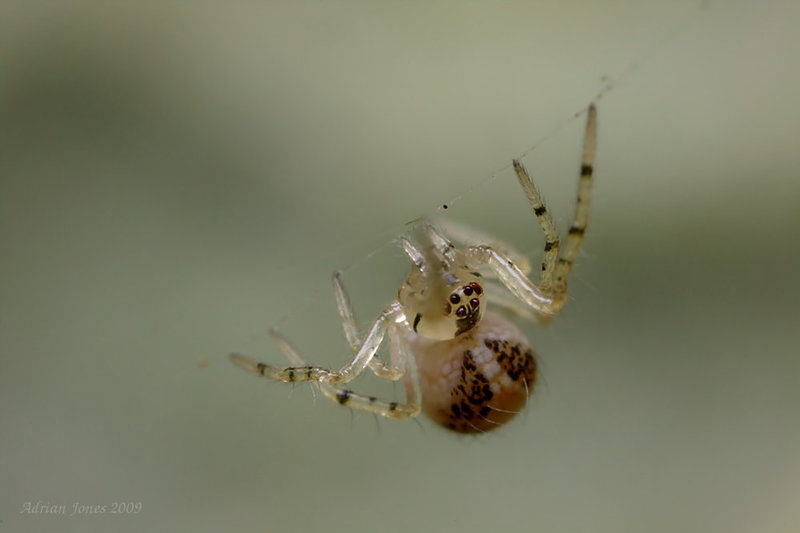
<point>515,280</point>
<point>550,295</point>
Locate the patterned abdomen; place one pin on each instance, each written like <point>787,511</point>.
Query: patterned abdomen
<point>479,380</point>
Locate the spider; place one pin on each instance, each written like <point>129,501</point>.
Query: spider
<point>468,369</point>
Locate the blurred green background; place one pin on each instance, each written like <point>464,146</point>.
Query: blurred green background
<point>177,177</point>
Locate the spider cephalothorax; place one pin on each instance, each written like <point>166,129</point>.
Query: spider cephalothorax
<point>470,371</point>
<point>443,302</point>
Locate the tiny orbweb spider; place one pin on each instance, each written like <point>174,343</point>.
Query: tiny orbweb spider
<point>469,370</point>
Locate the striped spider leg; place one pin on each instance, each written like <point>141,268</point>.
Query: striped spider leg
<point>331,383</point>
<point>469,370</point>
<point>550,295</point>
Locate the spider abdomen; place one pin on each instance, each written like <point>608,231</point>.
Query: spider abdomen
<point>479,380</point>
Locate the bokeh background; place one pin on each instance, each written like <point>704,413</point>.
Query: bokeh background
<point>177,177</point>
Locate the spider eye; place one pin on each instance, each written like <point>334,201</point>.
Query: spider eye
<point>475,287</point>
<point>461,312</point>
<point>468,290</point>
<point>474,303</point>
<point>455,298</point>
<point>447,309</point>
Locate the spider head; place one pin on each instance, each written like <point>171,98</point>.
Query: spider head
<point>456,311</point>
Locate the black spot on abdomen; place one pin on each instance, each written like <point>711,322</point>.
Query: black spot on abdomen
<point>474,406</point>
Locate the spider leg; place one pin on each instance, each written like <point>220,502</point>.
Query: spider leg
<point>550,295</point>
<point>574,238</point>
<point>369,345</point>
<point>498,295</point>
<point>515,280</point>
<point>290,374</point>
<point>557,264</point>
<point>364,354</point>
<point>551,242</point>
<point>299,371</point>
<point>438,239</point>
<point>346,313</point>
<point>391,372</point>
<point>422,231</point>
<point>371,404</point>
<point>349,398</point>
<point>411,250</point>
<point>468,236</point>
